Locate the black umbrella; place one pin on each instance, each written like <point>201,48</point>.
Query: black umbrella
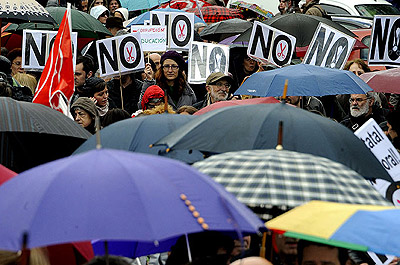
<point>18,11</point>
<point>251,127</point>
<point>224,29</point>
<point>32,134</point>
<point>298,25</point>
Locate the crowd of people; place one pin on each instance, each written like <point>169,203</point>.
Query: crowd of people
<point>162,86</point>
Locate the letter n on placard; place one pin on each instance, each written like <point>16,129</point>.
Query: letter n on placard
<point>260,41</point>
<point>197,63</point>
<point>33,49</point>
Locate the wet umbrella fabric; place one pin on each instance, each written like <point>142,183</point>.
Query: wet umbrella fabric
<point>358,227</point>
<point>115,195</point>
<point>212,14</point>
<point>383,81</point>
<point>221,30</point>
<point>18,11</point>
<point>286,178</point>
<point>141,4</point>
<point>84,24</point>
<point>32,134</point>
<point>300,26</point>
<point>137,134</point>
<point>219,131</point>
<point>304,80</point>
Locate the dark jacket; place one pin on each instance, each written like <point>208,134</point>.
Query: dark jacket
<point>353,123</point>
<point>188,98</point>
<point>130,93</point>
<point>313,9</point>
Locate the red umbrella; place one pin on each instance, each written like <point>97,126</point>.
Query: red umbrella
<point>184,4</point>
<point>230,103</point>
<point>5,174</point>
<point>212,14</point>
<point>383,81</point>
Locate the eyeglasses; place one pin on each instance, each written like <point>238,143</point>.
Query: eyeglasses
<point>222,85</point>
<point>172,66</point>
<point>104,15</point>
<point>358,100</point>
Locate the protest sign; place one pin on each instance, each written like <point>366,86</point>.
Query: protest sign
<point>154,38</point>
<point>329,48</point>
<point>271,45</point>
<point>378,143</point>
<point>36,47</point>
<point>384,48</point>
<point>120,55</point>
<point>180,28</point>
<point>207,58</point>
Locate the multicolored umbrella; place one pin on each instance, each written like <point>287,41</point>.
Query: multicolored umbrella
<point>383,81</point>
<point>358,227</point>
<point>184,4</point>
<point>267,178</point>
<point>212,14</point>
<point>246,7</point>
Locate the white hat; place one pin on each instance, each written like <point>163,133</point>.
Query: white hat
<point>96,11</point>
<point>124,12</point>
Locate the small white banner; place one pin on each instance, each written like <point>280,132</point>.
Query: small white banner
<point>154,38</point>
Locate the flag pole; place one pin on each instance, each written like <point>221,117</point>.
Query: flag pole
<point>120,76</point>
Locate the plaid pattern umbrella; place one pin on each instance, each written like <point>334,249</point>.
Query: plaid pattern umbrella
<point>184,4</point>
<point>285,178</point>
<point>32,134</point>
<point>212,14</point>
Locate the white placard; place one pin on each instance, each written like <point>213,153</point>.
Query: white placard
<point>154,38</point>
<point>384,49</point>
<point>122,54</point>
<point>207,58</point>
<point>329,48</point>
<point>378,143</point>
<point>271,45</point>
<point>181,30</point>
<point>36,47</point>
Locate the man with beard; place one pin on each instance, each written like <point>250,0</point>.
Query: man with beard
<point>217,86</point>
<point>362,108</point>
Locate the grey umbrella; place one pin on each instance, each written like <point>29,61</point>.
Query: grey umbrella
<point>221,30</point>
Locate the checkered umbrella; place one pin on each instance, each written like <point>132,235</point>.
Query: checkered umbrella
<point>269,178</point>
<point>212,14</point>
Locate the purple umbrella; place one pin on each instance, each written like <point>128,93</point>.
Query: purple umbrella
<point>115,195</point>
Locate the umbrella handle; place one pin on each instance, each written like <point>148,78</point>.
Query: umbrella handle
<point>263,249</point>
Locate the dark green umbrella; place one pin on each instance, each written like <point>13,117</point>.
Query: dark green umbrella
<point>84,24</point>
<point>300,26</point>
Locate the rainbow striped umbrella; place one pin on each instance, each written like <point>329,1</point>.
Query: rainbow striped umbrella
<point>351,226</point>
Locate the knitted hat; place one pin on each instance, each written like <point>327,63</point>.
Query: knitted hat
<point>124,12</point>
<point>96,11</point>
<point>86,104</point>
<point>173,55</point>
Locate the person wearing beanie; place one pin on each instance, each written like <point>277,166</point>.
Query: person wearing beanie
<point>84,112</point>
<point>153,96</point>
<point>96,89</point>
<point>170,77</point>
<point>122,13</point>
<point>100,13</point>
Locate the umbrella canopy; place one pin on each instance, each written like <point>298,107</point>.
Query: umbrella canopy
<point>141,4</point>
<point>5,174</point>
<point>137,134</point>
<point>298,25</point>
<point>18,11</point>
<point>146,16</point>
<point>32,134</point>
<point>230,103</point>
<point>247,7</point>
<point>184,4</point>
<point>212,14</point>
<point>84,24</point>
<point>304,80</point>
<point>115,195</point>
<point>285,178</point>
<point>224,29</point>
<point>256,127</point>
<point>383,81</point>
<point>358,227</point>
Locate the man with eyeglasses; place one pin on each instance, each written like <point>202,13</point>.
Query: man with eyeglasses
<point>217,86</point>
<point>361,110</point>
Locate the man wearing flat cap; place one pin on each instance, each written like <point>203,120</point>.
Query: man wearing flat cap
<point>217,86</point>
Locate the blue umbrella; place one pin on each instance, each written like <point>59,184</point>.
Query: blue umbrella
<point>138,133</point>
<point>304,80</point>
<point>141,4</point>
<point>115,195</point>
<point>146,16</point>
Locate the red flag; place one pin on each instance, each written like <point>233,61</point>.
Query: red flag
<point>56,85</point>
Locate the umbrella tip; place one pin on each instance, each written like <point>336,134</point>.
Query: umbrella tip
<point>151,146</point>
<point>279,147</point>
<point>167,150</point>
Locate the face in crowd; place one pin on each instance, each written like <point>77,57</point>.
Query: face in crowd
<point>171,69</point>
<point>219,91</point>
<point>359,104</point>
<point>82,117</point>
<point>249,65</point>
<point>16,66</point>
<point>356,69</point>
<point>113,6</point>
<point>101,97</point>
